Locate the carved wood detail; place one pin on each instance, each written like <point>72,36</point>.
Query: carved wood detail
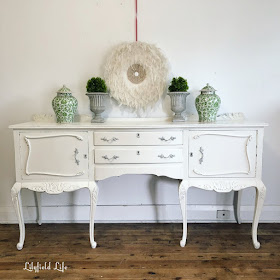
<point>55,187</point>
<point>222,185</point>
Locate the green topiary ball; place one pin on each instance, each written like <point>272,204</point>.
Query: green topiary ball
<point>178,84</point>
<point>96,85</point>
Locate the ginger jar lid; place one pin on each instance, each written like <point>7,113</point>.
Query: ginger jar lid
<point>64,89</point>
<point>208,89</point>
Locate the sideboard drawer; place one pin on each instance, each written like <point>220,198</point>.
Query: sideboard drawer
<point>222,153</point>
<point>131,138</point>
<point>138,155</point>
<point>54,155</point>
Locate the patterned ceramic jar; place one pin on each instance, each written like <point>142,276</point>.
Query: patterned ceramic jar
<point>207,104</point>
<point>64,105</point>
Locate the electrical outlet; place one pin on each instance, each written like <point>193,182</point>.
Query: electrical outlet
<point>223,214</point>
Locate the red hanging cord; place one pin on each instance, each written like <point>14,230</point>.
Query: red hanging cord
<point>136,27</point>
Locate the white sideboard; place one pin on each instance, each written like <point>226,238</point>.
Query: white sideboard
<point>221,156</point>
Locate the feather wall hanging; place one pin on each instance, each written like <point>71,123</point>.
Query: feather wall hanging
<point>136,74</point>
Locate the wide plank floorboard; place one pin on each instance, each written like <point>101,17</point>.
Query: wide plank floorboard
<point>142,251</point>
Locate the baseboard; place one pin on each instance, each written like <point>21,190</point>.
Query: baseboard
<point>137,214</point>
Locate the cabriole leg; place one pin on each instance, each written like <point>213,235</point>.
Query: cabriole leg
<point>15,193</point>
<point>39,208</point>
<point>93,188</point>
<point>238,196</point>
<point>260,196</point>
<point>183,199</point>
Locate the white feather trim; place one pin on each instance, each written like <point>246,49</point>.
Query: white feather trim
<point>146,93</point>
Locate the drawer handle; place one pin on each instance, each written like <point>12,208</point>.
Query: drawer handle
<point>162,156</point>
<point>202,155</point>
<point>110,159</point>
<point>76,153</point>
<point>109,140</point>
<point>167,140</point>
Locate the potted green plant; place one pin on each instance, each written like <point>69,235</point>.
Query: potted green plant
<point>97,92</point>
<point>178,94</point>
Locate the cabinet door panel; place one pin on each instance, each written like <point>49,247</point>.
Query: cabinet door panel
<point>53,155</point>
<point>222,154</point>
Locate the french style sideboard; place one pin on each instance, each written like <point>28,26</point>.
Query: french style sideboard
<point>223,156</point>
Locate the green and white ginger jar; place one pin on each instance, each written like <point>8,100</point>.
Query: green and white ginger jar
<point>64,105</point>
<point>207,104</point>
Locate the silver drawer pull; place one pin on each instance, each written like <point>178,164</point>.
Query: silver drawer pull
<point>110,159</point>
<point>162,156</point>
<point>167,140</point>
<point>76,153</point>
<point>109,140</point>
<point>202,155</point>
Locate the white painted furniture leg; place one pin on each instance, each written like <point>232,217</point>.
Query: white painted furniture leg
<point>183,188</point>
<point>15,193</point>
<point>237,207</point>
<point>260,196</point>
<point>39,208</point>
<point>93,188</point>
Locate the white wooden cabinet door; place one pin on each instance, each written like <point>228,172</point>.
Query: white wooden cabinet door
<point>53,155</point>
<point>222,154</point>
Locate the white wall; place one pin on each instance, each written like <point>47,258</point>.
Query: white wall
<point>232,44</point>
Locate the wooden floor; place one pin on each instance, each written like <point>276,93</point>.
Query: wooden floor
<point>142,251</point>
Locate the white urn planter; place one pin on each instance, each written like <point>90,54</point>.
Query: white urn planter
<point>178,104</point>
<point>97,106</point>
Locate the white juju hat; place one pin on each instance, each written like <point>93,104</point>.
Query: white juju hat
<point>136,74</point>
